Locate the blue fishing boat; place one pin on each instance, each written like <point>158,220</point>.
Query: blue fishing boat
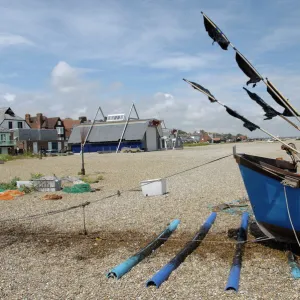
<point>273,187</point>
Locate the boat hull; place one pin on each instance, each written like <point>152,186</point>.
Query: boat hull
<point>267,198</point>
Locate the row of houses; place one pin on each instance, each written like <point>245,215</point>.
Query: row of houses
<point>212,137</point>
<point>36,133</point>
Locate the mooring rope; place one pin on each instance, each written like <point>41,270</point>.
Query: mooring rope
<point>288,211</point>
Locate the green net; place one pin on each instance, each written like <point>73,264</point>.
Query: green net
<point>2,190</point>
<point>78,188</point>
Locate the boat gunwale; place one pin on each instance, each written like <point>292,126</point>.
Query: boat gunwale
<point>267,169</point>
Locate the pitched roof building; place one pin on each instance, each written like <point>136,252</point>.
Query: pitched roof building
<point>9,120</point>
<point>105,136</point>
<point>43,122</point>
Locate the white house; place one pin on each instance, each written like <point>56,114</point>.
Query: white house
<point>9,120</point>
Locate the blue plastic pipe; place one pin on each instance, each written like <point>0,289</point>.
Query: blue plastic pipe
<point>164,273</point>
<point>234,275</point>
<point>128,264</point>
<point>295,268</point>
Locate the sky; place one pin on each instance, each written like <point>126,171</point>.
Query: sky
<point>67,58</point>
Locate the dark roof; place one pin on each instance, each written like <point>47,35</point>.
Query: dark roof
<point>51,122</point>
<point>110,131</point>
<point>48,123</point>
<point>7,113</point>
<point>36,134</point>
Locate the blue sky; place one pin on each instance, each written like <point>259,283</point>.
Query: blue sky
<point>65,58</point>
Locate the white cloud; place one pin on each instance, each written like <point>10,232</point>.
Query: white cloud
<point>9,97</point>
<point>186,62</point>
<point>7,39</point>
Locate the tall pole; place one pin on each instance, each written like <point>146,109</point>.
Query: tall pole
<point>88,134</point>
<point>124,129</point>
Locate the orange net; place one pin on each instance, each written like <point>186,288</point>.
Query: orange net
<point>10,194</point>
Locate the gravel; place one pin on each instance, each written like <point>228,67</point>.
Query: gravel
<point>51,258</point>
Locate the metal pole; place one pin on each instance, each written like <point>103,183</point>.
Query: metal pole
<point>88,134</point>
<point>136,111</point>
<point>124,129</point>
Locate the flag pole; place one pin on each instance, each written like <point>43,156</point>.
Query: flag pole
<point>286,119</point>
<point>258,127</point>
<point>279,95</point>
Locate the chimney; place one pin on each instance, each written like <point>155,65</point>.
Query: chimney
<point>39,120</point>
<point>27,118</point>
<point>82,119</point>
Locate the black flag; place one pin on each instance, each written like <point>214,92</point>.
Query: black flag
<point>270,112</point>
<point>200,88</point>
<point>249,125</point>
<point>215,33</point>
<point>247,68</point>
<point>276,95</point>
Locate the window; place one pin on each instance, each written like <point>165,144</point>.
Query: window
<point>3,137</point>
<point>20,124</point>
<point>58,122</point>
<point>60,130</point>
<point>10,125</point>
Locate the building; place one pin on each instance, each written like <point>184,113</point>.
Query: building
<point>9,120</point>
<point>69,124</point>
<point>171,140</point>
<point>34,140</point>
<point>105,136</point>
<point>42,122</point>
<point>7,142</point>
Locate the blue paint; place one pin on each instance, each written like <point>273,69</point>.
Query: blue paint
<point>267,199</point>
<point>164,273</point>
<point>105,147</point>
<point>234,275</point>
<point>295,268</point>
<point>210,220</point>
<point>127,265</point>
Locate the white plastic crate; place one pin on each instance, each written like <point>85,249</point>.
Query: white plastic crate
<point>154,187</point>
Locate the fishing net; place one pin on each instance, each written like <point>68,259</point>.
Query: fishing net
<point>10,194</point>
<point>78,188</point>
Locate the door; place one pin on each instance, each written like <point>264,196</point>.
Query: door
<point>35,147</point>
<point>59,146</point>
<point>49,145</point>
<point>151,138</point>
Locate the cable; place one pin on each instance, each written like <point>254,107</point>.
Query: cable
<point>104,198</point>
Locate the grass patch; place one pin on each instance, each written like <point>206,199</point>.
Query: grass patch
<point>7,157</point>
<point>195,144</point>
<point>35,176</point>
<point>12,185</point>
<point>91,180</point>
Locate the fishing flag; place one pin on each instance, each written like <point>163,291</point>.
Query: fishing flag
<point>270,112</point>
<point>249,125</point>
<point>278,97</point>
<point>200,88</point>
<point>247,68</point>
<point>215,33</point>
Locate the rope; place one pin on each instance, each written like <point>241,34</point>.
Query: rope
<point>288,211</point>
<point>104,198</point>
